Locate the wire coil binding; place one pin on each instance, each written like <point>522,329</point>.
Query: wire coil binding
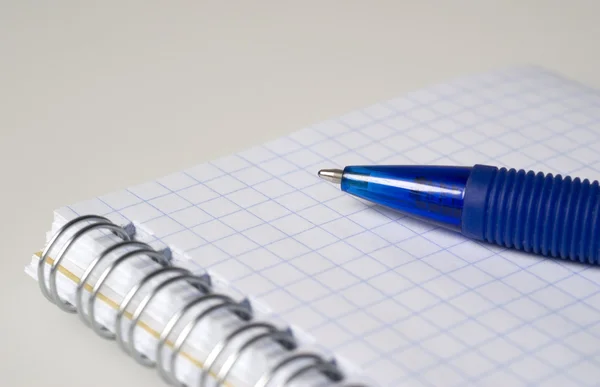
<point>264,330</point>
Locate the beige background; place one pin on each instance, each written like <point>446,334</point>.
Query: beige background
<point>95,98</point>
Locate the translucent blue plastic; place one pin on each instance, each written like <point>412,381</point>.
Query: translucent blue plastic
<point>431,193</point>
<point>545,214</point>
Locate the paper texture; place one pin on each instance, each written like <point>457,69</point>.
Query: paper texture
<point>400,301</point>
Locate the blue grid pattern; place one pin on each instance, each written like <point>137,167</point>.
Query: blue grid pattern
<point>404,302</point>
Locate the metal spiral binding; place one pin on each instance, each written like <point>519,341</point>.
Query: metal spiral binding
<point>328,367</point>
<point>167,367</point>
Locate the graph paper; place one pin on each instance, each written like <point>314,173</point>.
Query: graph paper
<point>399,301</point>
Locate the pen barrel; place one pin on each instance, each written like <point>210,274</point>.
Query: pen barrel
<point>545,214</point>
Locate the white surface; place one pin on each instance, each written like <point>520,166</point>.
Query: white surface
<point>403,302</point>
<point>174,86</point>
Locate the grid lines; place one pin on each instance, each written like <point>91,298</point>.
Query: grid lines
<point>402,296</point>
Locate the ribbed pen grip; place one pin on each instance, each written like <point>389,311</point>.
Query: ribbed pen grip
<point>554,216</point>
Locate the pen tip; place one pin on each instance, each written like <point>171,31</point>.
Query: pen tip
<point>331,175</point>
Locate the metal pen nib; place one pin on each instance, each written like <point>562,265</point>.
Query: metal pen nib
<point>331,175</point>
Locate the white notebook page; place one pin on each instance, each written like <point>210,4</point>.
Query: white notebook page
<point>398,300</point>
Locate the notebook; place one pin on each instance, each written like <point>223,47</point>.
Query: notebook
<point>250,271</point>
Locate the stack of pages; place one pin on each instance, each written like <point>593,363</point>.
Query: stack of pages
<point>265,275</point>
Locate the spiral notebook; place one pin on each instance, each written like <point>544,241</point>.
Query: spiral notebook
<point>250,271</point>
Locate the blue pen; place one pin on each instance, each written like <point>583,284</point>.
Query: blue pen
<point>545,214</point>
